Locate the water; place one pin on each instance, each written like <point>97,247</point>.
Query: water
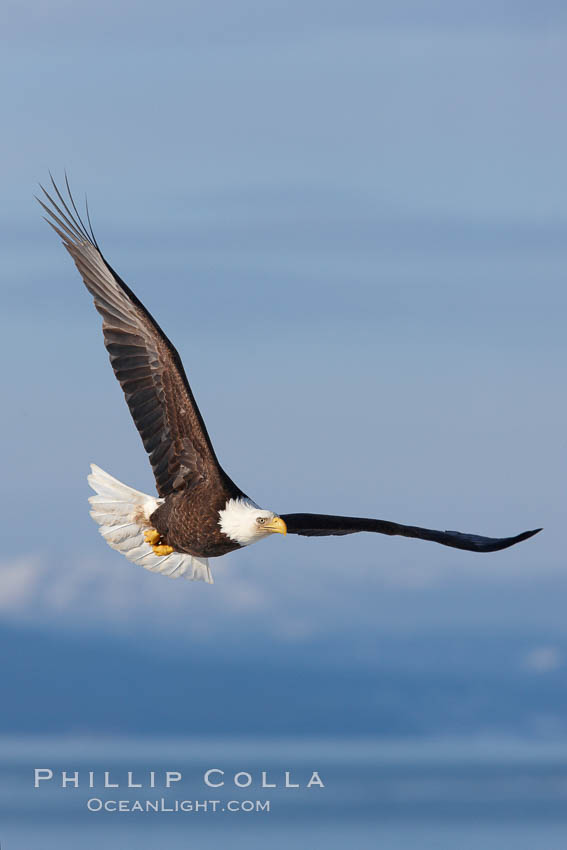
<point>477,794</point>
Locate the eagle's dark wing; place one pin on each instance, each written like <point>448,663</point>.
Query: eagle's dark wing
<point>322,525</point>
<point>145,362</point>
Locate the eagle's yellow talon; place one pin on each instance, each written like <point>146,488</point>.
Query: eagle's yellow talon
<point>162,549</point>
<point>152,536</point>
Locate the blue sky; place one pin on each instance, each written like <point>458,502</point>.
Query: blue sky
<point>351,220</point>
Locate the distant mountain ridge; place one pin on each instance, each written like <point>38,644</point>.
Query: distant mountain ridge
<point>55,682</point>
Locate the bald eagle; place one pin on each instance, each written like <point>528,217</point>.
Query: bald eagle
<point>200,513</point>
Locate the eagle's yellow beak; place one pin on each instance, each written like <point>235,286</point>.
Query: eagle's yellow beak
<point>276,525</point>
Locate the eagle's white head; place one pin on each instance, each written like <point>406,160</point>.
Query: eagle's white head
<point>244,522</point>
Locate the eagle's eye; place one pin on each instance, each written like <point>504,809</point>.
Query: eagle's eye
<point>261,520</point>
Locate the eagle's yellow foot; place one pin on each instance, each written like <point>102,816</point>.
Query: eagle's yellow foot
<point>152,536</point>
<point>162,550</point>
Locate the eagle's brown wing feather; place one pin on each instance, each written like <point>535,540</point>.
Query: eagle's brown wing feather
<point>146,364</point>
<point>323,525</point>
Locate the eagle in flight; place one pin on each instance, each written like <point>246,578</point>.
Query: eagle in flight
<point>200,513</point>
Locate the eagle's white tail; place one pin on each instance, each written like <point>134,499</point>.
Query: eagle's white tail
<point>123,515</point>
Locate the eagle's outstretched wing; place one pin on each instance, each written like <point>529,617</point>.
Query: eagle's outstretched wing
<point>145,362</point>
<point>323,525</point>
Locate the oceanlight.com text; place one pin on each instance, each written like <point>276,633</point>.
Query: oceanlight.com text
<point>95,804</point>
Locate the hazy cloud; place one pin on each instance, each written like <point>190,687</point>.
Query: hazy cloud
<point>288,600</point>
<point>543,659</point>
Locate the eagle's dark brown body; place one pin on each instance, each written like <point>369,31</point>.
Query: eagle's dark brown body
<point>189,521</point>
